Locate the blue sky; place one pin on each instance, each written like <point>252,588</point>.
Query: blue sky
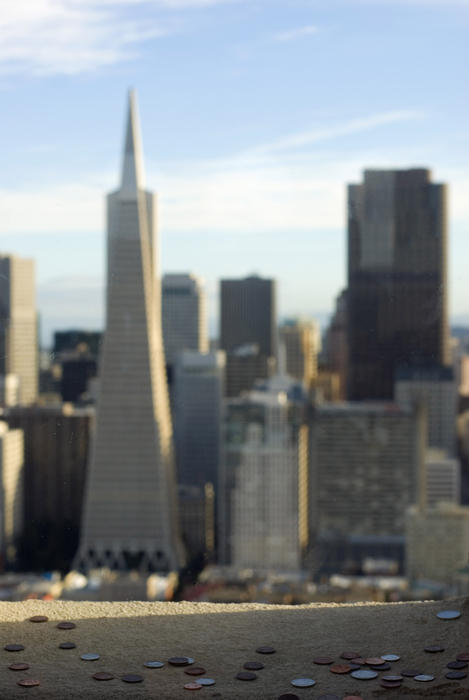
<point>254,113</point>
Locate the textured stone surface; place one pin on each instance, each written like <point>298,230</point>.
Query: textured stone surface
<point>221,638</point>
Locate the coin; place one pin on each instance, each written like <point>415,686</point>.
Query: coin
<point>265,650</point>
<point>154,664</point>
<point>193,686</point>
<point>456,665</point>
<point>424,677</point>
<point>349,655</point>
<point>434,649</point>
<point>354,667</point>
<point>66,626</point>
<point>246,676</point>
<point>463,657</point>
<point>38,618</point>
<point>13,647</point>
<point>374,661</point>
<point>195,671</point>
<point>18,667</point>
<point>340,668</point>
<point>364,675</point>
<point>449,614</point>
<point>102,676</point>
<point>28,683</point>
<point>67,645</point>
<point>456,675</point>
<point>205,681</point>
<point>391,678</point>
<point>253,666</point>
<point>359,660</point>
<point>89,657</point>
<point>390,657</point>
<point>411,672</point>
<point>303,682</point>
<point>382,667</point>
<point>328,696</point>
<point>323,660</point>
<point>179,660</point>
<point>132,678</point>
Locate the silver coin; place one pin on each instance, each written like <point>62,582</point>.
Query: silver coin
<point>364,675</point>
<point>153,664</point>
<point>424,677</point>
<point>449,614</point>
<point>390,657</point>
<point>303,682</point>
<point>205,681</point>
<point>89,657</point>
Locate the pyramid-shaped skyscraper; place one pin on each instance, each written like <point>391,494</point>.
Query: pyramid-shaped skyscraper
<point>130,507</point>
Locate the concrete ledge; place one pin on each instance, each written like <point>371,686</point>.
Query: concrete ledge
<point>221,638</point>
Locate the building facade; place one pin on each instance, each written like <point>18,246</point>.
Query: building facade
<point>130,514</point>
<point>300,341</point>
<point>184,315</point>
<point>367,468</point>
<point>11,492</point>
<point>18,325</point>
<point>264,491</point>
<point>397,279</point>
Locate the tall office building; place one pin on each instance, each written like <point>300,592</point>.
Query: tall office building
<point>130,515</point>
<point>263,509</point>
<point>197,410</point>
<point>397,280</point>
<point>11,495</point>
<point>300,340</point>
<point>248,320</point>
<point>56,445</point>
<point>367,467</point>
<point>18,325</point>
<point>184,315</point>
<point>336,343</point>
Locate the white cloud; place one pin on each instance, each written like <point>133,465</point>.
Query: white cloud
<point>73,36</point>
<point>297,33</point>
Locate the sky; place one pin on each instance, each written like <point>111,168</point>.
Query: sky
<point>254,114</point>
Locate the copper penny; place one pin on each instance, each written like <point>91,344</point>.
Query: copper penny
<point>38,618</point>
<point>340,668</point>
<point>195,671</point>
<point>67,645</point>
<point>253,666</point>
<point>66,626</point>
<point>323,660</point>
<point>179,661</point>
<point>374,661</point>
<point>132,678</point>
<point>246,676</point>
<point>391,684</point>
<point>28,683</point>
<point>463,657</point>
<point>18,667</point>
<point>265,650</point>
<point>456,665</point>
<point>193,686</point>
<point>102,676</point>
<point>349,655</point>
<point>13,647</point>
<point>359,660</point>
<point>434,649</point>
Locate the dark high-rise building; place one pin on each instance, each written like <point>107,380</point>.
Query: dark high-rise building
<point>248,318</point>
<point>397,286</point>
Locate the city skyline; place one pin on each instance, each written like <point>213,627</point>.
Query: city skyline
<point>256,115</point>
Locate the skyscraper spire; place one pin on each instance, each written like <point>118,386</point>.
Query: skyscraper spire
<point>132,164</point>
<point>130,510</point>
